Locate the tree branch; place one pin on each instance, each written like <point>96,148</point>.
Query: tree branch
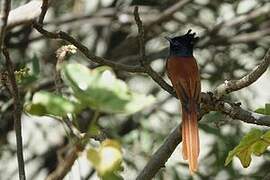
<point>44,7</point>
<point>102,61</point>
<point>17,113</point>
<point>234,85</point>
<point>160,157</point>
<point>65,165</point>
<point>234,110</point>
<point>17,106</point>
<point>144,63</point>
<point>4,13</point>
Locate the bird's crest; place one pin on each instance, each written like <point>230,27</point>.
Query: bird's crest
<point>188,39</point>
<point>183,45</point>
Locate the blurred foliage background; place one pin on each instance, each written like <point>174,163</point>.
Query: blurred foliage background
<point>234,36</point>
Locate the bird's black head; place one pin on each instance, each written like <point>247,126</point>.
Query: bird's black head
<point>183,45</point>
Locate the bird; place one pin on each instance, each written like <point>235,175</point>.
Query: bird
<point>183,71</point>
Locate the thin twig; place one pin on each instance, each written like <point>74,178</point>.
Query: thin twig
<point>44,8</point>
<point>102,61</point>
<point>4,13</point>
<point>17,113</point>
<point>60,55</point>
<point>17,106</point>
<point>234,85</point>
<point>65,165</point>
<point>147,67</point>
<point>143,60</point>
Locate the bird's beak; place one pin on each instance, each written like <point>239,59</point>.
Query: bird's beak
<point>168,38</point>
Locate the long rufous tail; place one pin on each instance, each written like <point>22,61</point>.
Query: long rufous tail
<point>190,137</point>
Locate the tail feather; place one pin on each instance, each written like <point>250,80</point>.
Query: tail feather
<point>190,136</point>
<point>184,145</point>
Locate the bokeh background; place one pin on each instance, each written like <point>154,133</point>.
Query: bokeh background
<point>234,37</point>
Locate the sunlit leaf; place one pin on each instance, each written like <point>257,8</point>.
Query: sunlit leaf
<point>106,159</point>
<point>255,142</point>
<point>101,90</point>
<point>46,103</point>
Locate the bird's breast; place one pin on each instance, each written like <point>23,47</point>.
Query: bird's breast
<point>182,67</point>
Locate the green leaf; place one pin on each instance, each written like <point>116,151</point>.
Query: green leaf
<point>35,109</point>
<point>260,110</point>
<point>102,91</point>
<point>265,110</point>
<point>255,142</point>
<point>35,65</point>
<point>46,103</point>
<point>93,130</point>
<point>106,159</point>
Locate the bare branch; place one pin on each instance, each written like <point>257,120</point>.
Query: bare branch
<point>65,165</point>
<point>102,61</point>
<point>44,8</point>
<point>4,13</point>
<point>17,106</point>
<point>148,69</point>
<point>141,36</point>
<point>160,157</point>
<point>234,110</point>
<point>17,113</point>
<point>234,85</point>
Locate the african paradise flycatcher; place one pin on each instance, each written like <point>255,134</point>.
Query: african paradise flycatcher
<point>184,74</point>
